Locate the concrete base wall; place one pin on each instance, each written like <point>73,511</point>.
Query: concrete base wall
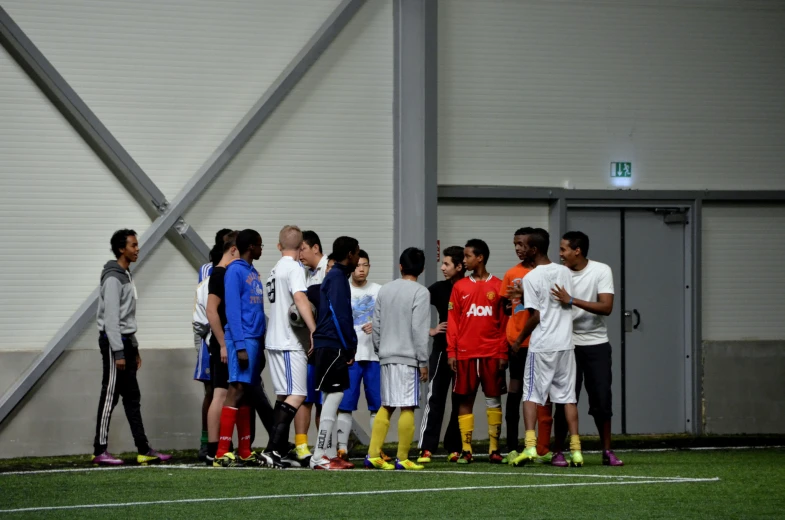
<point>744,386</point>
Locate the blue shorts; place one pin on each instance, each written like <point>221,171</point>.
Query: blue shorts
<point>252,374</point>
<point>202,370</point>
<point>369,373</point>
<point>314,396</point>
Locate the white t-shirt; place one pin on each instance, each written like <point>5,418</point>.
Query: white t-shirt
<point>554,332</point>
<point>286,279</point>
<point>363,303</point>
<point>587,328</point>
<point>316,276</point>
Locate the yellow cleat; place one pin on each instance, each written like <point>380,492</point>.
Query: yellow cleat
<point>377,463</point>
<point>407,465</point>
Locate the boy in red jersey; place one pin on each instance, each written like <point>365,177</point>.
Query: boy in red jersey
<point>477,346</point>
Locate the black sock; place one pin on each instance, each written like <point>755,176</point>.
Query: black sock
<point>284,415</point>
<point>512,415</point>
<point>212,449</point>
<point>143,449</point>
<point>99,450</point>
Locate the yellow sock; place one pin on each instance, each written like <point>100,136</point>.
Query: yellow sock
<point>380,426</point>
<point>300,439</point>
<point>494,427</point>
<point>575,443</point>
<point>531,439</point>
<point>466,425</point>
<point>405,433</point>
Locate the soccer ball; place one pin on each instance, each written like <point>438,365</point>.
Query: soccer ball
<point>294,316</point>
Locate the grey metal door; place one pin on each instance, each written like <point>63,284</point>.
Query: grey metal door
<point>646,255</point>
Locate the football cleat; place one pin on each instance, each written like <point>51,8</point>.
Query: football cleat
<point>202,456</point>
<point>228,460</point>
<point>609,459</point>
<point>544,459</point>
<point>528,455</point>
<point>320,463</point>
<point>386,457</point>
<point>294,462</point>
<point>107,459</point>
<point>559,461</point>
<point>576,459</point>
<point>407,465</point>
<point>495,457</point>
<point>453,457</point>
<point>152,457</point>
<point>377,463</point>
<point>303,454</point>
<point>343,455</point>
<point>465,458</point>
<point>252,460</point>
<point>339,463</point>
<point>425,457</point>
<point>273,459</point>
<point>510,456</point>
<point>209,460</point>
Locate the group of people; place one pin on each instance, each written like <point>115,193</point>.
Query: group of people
<point>329,331</point>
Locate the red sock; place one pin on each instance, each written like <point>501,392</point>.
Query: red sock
<point>228,418</point>
<point>544,422</point>
<point>244,431</point>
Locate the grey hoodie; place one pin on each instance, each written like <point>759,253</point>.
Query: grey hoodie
<point>401,321</point>
<point>117,306</point>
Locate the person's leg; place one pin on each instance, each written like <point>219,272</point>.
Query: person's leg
<point>467,381</point>
<point>206,402</point>
<point>493,386</point>
<point>107,401</point>
<point>229,417</point>
<point>380,428</point>
<point>214,421</point>
<point>289,369</point>
<point>438,390</point>
<point>348,404</point>
<point>132,396</point>
<point>512,415</point>
<point>562,392</point>
<point>372,384</point>
<point>258,398</point>
<point>405,432</point>
<point>324,446</point>
<point>452,435</point>
<point>544,424</point>
<point>535,380</point>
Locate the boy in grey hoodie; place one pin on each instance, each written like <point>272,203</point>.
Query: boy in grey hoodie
<point>120,352</point>
<point>401,325</point>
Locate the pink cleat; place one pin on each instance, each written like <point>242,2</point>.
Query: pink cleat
<point>107,459</point>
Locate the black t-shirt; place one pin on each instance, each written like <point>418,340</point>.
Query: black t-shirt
<point>216,286</point>
<point>440,298</point>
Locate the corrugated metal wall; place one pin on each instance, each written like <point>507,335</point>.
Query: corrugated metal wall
<point>743,282</point>
<point>548,93</point>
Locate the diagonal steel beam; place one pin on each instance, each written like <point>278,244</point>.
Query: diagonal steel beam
<point>209,171</point>
<point>92,130</point>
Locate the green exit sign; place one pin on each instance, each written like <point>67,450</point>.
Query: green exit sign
<point>621,169</point>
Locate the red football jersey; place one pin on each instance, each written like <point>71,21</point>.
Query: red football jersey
<point>476,325</point>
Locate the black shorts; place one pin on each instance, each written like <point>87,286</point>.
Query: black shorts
<point>332,372</point>
<point>517,363</point>
<point>593,365</point>
<point>219,372</point>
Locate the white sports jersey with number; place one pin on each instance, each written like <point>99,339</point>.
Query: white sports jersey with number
<point>286,279</point>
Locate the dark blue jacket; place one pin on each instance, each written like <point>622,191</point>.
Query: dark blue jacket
<point>244,297</point>
<point>335,324</point>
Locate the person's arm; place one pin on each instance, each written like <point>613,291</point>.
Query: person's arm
<point>441,328</point>
<point>376,334</point>
<point>341,304</point>
<point>505,301</point>
<point>421,316</point>
<point>454,315</point>
<point>233,287</point>
<point>529,296</point>
<point>112,292</point>
<point>300,296</point>
<point>602,307</point>
<point>531,324</point>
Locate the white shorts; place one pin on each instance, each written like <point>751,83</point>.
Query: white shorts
<point>400,386</point>
<point>550,374</point>
<point>289,371</point>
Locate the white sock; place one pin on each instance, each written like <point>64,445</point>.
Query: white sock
<point>343,429</point>
<point>324,441</point>
<point>373,416</point>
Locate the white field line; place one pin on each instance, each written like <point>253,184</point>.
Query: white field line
<point>645,450</point>
<point>568,473</point>
<point>348,493</point>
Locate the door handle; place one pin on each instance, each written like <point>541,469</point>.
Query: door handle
<point>638,319</point>
<point>627,321</point>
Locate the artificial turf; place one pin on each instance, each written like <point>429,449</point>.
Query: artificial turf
<point>751,485</point>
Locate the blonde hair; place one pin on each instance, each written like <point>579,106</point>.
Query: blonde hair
<point>290,238</point>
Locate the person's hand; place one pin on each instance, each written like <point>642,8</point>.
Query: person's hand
<point>224,356</point>
<point>242,359</point>
<point>138,361</point>
<point>424,374</point>
<point>502,365</point>
<point>120,364</point>
<point>310,350</point>
<point>350,362</point>
<point>439,329</point>
<point>561,295</point>
<point>368,328</point>
<point>515,346</point>
<point>453,364</point>
<point>514,292</point>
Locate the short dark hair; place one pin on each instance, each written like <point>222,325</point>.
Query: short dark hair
<point>412,261</point>
<point>364,254</point>
<point>331,256</point>
<point>230,240</point>
<point>524,231</point>
<point>120,239</point>
<point>219,237</point>
<point>246,238</point>
<point>343,247</point>
<point>578,240</point>
<point>312,239</point>
<point>540,239</point>
<point>480,248</point>
<point>456,254</point>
